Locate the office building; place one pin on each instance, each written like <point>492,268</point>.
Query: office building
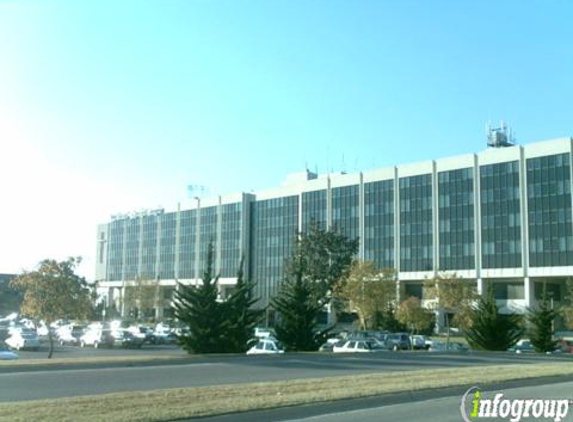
<point>502,215</point>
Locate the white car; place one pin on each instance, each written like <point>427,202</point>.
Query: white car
<point>70,334</point>
<point>265,346</point>
<point>6,354</point>
<point>97,337</point>
<point>23,339</point>
<point>353,346</point>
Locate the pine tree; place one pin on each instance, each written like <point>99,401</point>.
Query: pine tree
<point>241,316</point>
<point>387,321</point>
<point>298,306</point>
<point>541,331</point>
<point>198,308</point>
<point>491,330</point>
<point>328,255</point>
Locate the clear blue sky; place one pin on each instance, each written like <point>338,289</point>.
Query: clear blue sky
<point>111,106</point>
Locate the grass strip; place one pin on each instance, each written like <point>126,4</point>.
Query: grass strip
<point>164,405</point>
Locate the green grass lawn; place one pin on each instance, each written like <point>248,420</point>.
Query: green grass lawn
<point>161,405</point>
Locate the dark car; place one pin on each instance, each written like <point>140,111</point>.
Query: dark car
<point>127,339</point>
<point>398,341</point>
<point>523,346</point>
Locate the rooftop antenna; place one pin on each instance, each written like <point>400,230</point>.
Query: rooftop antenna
<point>197,191</point>
<point>499,137</point>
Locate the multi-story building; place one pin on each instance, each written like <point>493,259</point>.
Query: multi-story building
<point>503,215</point>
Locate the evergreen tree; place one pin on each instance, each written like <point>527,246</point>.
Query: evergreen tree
<point>387,321</point>
<point>541,326</point>
<point>298,305</point>
<point>489,329</point>
<point>198,308</point>
<point>241,316</point>
<point>328,255</point>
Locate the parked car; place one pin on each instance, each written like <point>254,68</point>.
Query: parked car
<point>525,346</point>
<point>330,343</point>
<point>23,339</point>
<point>265,346</point>
<point>70,334</point>
<point>566,345</point>
<point>420,342</point>
<point>398,341</point>
<point>353,346</point>
<point>442,346</point>
<point>126,338</point>
<point>97,337</point>
<point>6,353</point>
<point>164,334</point>
<point>522,346</point>
<point>146,333</point>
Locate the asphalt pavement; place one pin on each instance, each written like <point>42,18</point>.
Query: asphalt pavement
<point>79,379</point>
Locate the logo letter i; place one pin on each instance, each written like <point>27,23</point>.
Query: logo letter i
<point>475,402</point>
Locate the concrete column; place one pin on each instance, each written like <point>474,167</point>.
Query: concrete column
<point>477,217</point>
<point>328,205</point>
<point>332,315</point>
<point>121,291</point>
<point>399,294</point>
<point>158,248</point>
<point>140,249</point>
<point>159,312</point>
<point>435,222</point>
<point>529,288</point>
<point>481,287</point>
<point>524,210</point>
<point>177,241</point>
<point>219,237</point>
<point>396,222</point>
<point>197,239</point>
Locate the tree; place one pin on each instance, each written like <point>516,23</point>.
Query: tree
<point>198,308</point>
<point>141,295</point>
<point>567,309</point>
<point>370,292</point>
<point>489,329</point>
<point>54,291</point>
<point>414,316</point>
<point>387,321</point>
<point>298,304</point>
<point>242,317</point>
<point>327,256</point>
<point>450,294</point>
<point>10,298</point>
<point>541,320</point>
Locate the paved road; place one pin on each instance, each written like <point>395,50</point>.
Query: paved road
<point>445,409</point>
<point>28,385</point>
<point>73,352</point>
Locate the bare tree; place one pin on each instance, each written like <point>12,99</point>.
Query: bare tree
<point>141,295</point>
<point>450,294</point>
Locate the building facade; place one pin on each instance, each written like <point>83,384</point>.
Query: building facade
<point>503,216</point>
